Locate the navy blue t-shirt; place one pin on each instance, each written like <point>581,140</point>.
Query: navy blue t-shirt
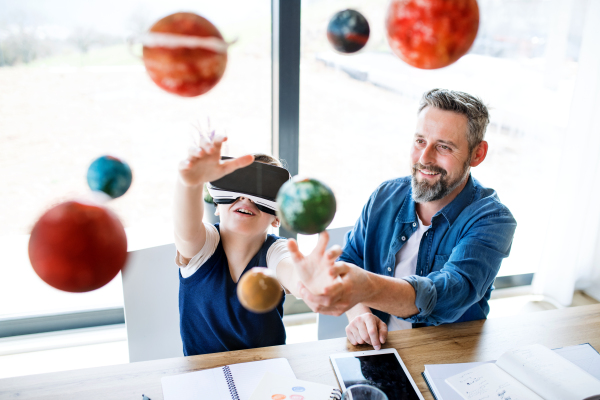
<point>211,317</point>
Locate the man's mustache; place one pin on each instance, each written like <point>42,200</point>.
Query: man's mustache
<point>432,168</point>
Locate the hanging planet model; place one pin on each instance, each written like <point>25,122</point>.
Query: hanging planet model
<point>348,31</point>
<point>259,290</point>
<point>430,34</point>
<point>306,205</point>
<point>185,71</point>
<point>77,246</point>
<point>110,175</point>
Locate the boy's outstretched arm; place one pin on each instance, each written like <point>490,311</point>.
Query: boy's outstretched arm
<point>317,272</point>
<point>202,165</point>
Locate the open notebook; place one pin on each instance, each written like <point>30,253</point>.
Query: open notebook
<point>582,355</point>
<point>531,372</point>
<point>231,382</point>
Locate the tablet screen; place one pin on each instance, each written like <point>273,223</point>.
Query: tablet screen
<point>380,370</point>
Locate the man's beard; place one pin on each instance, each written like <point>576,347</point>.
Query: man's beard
<point>423,192</point>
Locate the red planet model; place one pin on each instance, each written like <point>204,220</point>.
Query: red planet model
<point>431,34</point>
<point>77,247</point>
<point>185,71</point>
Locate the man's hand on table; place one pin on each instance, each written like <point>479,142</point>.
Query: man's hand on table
<point>364,327</point>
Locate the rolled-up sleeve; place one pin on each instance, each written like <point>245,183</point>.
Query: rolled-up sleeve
<point>425,295</point>
<point>466,274</point>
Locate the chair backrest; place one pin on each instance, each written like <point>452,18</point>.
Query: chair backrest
<point>151,297</point>
<point>329,327</point>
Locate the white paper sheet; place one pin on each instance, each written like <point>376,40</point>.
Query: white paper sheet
<point>248,375</point>
<point>437,374</point>
<point>584,356</point>
<point>488,381</point>
<point>272,385</point>
<point>206,384</point>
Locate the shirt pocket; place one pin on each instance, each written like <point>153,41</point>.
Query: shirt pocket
<point>439,261</point>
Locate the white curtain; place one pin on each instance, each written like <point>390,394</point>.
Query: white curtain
<point>571,258</point>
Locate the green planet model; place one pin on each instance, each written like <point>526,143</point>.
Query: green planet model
<point>306,205</point>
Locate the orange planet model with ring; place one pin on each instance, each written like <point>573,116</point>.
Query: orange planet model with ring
<point>179,64</point>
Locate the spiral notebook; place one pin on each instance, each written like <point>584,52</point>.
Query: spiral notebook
<point>274,386</point>
<point>231,382</point>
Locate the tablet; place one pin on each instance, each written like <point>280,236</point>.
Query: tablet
<point>383,369</point>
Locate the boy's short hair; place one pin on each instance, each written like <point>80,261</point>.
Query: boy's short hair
<point>267,159</point>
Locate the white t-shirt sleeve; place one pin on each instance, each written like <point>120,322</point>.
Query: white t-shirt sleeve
<point>277,252</point>
<point>210,245</point>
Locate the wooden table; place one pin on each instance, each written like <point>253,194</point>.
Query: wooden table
<point>464,342</point>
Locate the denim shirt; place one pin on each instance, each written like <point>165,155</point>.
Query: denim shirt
<point>459,256</point>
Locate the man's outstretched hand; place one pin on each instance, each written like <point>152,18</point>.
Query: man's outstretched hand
<point>353,288</point>
<point>317,272</point>
<point>327,286</point>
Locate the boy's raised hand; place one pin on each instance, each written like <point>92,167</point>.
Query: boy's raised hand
<point>317,272</point>
<point>204,163</point>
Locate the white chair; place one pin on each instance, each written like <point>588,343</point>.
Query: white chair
<point>328,326</point>
<point>151,297</point>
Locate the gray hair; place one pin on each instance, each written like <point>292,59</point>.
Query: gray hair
<point>462,103</point>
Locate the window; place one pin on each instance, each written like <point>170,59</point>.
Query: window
<point>72,91</point>
<point>358,112</point>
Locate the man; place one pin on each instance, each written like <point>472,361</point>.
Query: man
<point>426,248</point>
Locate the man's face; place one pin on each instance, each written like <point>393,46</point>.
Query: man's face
<point>440,154</point>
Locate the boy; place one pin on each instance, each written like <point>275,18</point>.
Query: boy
<point>213,258</point>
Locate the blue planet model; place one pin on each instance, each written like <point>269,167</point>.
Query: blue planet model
<point>110,175</point>
<point>348,31</point>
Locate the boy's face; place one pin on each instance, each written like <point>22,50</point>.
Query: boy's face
<point>244,217</point>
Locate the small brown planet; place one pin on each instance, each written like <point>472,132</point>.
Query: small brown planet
<point>259,290</point>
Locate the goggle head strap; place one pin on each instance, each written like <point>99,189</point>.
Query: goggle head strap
<point>221,196</point>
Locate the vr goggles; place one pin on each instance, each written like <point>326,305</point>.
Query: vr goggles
<point>258,182</point>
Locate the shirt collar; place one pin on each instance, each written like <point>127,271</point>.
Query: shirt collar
<point>408,213</point>
<point>460,202</point>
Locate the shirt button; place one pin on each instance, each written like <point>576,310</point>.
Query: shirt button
<point>403,238</point>
<point>389,269</point>
<point>426,233</point>
<point>414,224</point>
